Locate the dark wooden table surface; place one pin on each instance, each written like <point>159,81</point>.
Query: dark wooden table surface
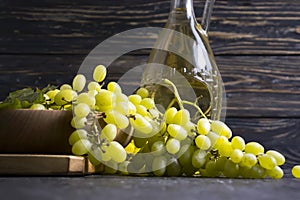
<point>257,48</point>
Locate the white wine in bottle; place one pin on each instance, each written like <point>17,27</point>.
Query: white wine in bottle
<point>183,55</point>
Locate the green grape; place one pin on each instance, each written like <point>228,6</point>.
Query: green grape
<point>110,132</point>
<point>117,152</point>
<point>105,157</point>
<point>236,156</point>
<point>225,149</point>
<point>111,167</point>
<point>159,165</point>
<point>257,172</point>
<point>143,92</point>
<point>141,124</point>
<point>169,115</point>
<point>78,122</point>
<point>245,172</point>
<point>267,161</point>
<point>135,99</point>
<point>94,156</point>
<point>221,129</point>
<point>231,169</point>
<point>139,142</point>
<point>120,97</point>
<point>51,94</point>
<point>114,117</point>
<point>94,86</point>
<point>92,93</point>
<point>275,173</point>
<point>296,171</point>
<point>190,127</point>
<point>64,97</point>
<point>81,147</point>
<point>114,87</point>
<point>65,87</point>
<point>173,146</point>
<point>122,107</point>
<point>81,110</point>
<point>77,135</point>
<point>99,73</point>
<point>173,168</point>
<point>142,110</point>
<point>137,163</point>
<point>220,163</point>
<point>211,169</point>
<point>185,155</point>
<point>254,148</point>
<point>154,113</point>
<point>37,106</point>
<point>105,100</point>
<point>131,108</point>
<point>158,148</point>
<point>199,158</point>
<point>248,160</point>
<point>86,99</point>
<point>203,126</point>
<point>79,82</point>
<point>203,142</point>
<point>123,167</point>
<point>177,131</point>
<point>220,141</point>
<point>280,159</point>
<point>213,138</point>
<point>148,103</point>
<point>238,142</point>
<point>181,117</point>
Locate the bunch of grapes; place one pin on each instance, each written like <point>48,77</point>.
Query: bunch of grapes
<point>158,143</point>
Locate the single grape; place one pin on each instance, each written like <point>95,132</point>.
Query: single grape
<point>142,110</point>
<point>185,155</point>
<point>148,103</point>
<point>199,158</point>
<point>236,156</point>
<point>203,126</point>
<point>65,87</point>
<point>248,160</point>
<point>173,146</point>
<point>135,99</point>
<point>267,161</point>
<point>114,87</point>
<point>177,131</point>
<point>221,128</point>
<point>79,82</point>
<point>81,110</point>
<point>275,173</point>
<point>105,100</point>
<point>143,92</point>
<point>231,169</point>
<point>94,86</point>
<point>114,117</point>
<point>158,148</point>
<point>81,147</point>
<point>296,171</point>
<point>238,142</point>
<point>159,165</point>
<point>99,73</point>
<point>257,172</point>
<point>117,152</point>
<point>211,169</point>
<point>37,106</point>
<point>221,140</point>
<point>87,99</point>
<point>105,157</point>
<point>173,168</point>
<point>181,117</point>
<point>203,142</point>
<point>110,132</point>
<point>169,115</point>
<point>254,148</point>
<point>225,149</point>
<point>78,122</point>
<point>213,138</point>
<point>220,163</point>
<point>280,159</point>
<point>64,97</point>
<point>77,135</point>
<point>141,124</point>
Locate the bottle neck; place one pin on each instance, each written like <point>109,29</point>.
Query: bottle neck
<point>183,6</point>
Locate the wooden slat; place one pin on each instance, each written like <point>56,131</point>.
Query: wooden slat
<point>254,86</point>
<point>68,27</point>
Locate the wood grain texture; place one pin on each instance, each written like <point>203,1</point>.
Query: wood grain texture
<point>68,27</point>
<point>256,86</point>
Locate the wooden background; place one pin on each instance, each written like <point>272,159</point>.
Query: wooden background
<point>256,44</point>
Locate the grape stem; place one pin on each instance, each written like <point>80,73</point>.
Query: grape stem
<point>180,101</point>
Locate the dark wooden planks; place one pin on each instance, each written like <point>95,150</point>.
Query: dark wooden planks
<point>67,27</point>
<point>256,86</point>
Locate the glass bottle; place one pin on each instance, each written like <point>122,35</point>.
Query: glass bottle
<point>183,55</point>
